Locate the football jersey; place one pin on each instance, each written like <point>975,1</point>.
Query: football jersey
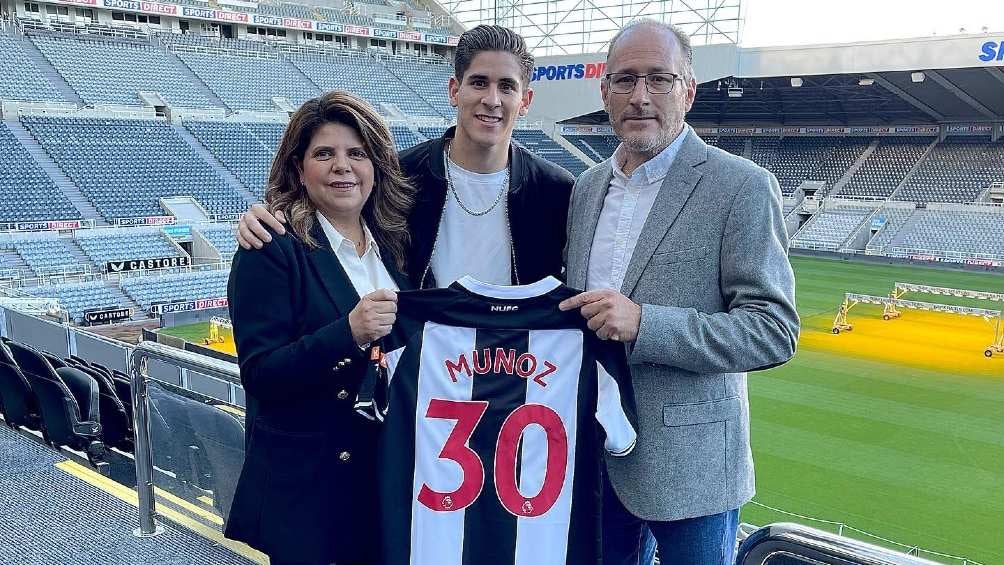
<point>497,408</point>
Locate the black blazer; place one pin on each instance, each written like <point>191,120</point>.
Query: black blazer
<point>307,489</point>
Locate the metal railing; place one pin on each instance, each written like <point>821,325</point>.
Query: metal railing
<point>794,543</point>
<point>139,376</point>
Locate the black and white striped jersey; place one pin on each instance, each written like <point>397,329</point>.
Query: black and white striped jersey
<point>497,408</point>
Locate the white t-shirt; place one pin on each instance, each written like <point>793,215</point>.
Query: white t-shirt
<point>476,246</point>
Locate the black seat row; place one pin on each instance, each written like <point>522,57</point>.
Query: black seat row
<point>72,403</point>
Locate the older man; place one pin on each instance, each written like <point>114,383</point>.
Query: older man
<point>683,251</point>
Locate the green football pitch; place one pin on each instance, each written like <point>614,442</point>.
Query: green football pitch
<point>910,454</point>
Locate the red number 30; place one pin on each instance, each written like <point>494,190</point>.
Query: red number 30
<point>467,414</point>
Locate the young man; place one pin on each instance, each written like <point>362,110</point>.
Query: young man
<point>484,206</point>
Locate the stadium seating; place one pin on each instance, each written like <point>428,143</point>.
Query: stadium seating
<point>428,78</point>
<point>360,74</point>
<point>110,71</point>
<point>148,290</point>
<point>893,217</point>
<point>17,401</point>
<point>886,167</point>
<point>246,79</point>
<point>238,149</point>
<point>47,254</point>
<point>67,399</point>
<point>75,298</point>
<point>956,170</point>
<point>538,142</point>
<point>103,246</point>
<point>26,191</point>
<point>975,231</point>
<point>22,79</point>
<point>731,143</point>
<point>597,147</point>
<point>269,133</point>
<point>831,227</point>
<point>221,236</point>
<point>796,159</point>
<point>124,165</point>
<point>404,137</point>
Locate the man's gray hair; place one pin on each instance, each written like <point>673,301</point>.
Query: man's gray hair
<point>681,38</point>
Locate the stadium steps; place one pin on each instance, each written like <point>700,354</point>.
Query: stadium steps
<point>13,260</point>
<point>44,160</point>
<point>913,170</point>
<point>208,156</point>
<point>576,151</point>
<point>405,81</point>
<point>216,100</point>
<point>50,72</point>
<point>857,164</point>
<point>138,313</point>
<point>593,153</point>
<point>78,253</point>
<point>58,510</point>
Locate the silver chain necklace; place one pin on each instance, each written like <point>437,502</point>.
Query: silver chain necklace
<point>456,196</point>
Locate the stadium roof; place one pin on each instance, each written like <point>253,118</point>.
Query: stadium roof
<point>914,81</point>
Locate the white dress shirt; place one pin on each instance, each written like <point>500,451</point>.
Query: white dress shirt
<point>625,209</point>
<point>478,246</point>
<point>367,272</point>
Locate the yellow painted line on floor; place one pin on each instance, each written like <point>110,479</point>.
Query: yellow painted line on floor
<point>232,409</point>
<point>205,500</point>
<point>129,496</point>
<point>194,509</point>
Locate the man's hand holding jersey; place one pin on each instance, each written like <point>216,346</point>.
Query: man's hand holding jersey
<point>611,314</point>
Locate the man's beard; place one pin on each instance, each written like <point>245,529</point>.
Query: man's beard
<point>647,144</point>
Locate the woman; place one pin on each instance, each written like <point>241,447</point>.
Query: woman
<point>306,492</point>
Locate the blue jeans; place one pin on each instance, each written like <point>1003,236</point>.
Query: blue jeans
<point>629,540</point>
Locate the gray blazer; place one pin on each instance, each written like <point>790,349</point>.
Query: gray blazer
<point>711,273</point>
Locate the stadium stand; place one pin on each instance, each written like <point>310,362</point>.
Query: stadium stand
<point>426,77</point>
<point>246,79</point>
<point>22,79</point>
<point>956,229</point>
<point>733,144</point>
<point>404,137</point>
<point>26,192</point>
<point>125,165</point>
<point>148,290</point>
<point>221,236</point>
<point>538,142</point>
<point>105,245</point>
<point>956,170</point>
<point>238,149</point>
<point>432,132</point>
<point>362,75</point>
<point>47,254</point>
<point>799,159</point>
<point>886,167</point>
<point>598,147</point>
<point>831,226</point>
<point>114,71</point>
<point>269,133</point>
<point>79,297</point>
<point>892,219</point>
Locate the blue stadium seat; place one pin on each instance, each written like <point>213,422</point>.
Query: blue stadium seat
<point>124,166</point>
<point>26,191</point>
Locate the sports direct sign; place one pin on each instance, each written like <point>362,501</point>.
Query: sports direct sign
<point>575,71</point>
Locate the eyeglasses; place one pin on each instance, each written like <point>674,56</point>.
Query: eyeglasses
<point>656,83</point>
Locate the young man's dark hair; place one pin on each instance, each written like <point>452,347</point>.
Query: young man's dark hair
<point>491,38</point>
